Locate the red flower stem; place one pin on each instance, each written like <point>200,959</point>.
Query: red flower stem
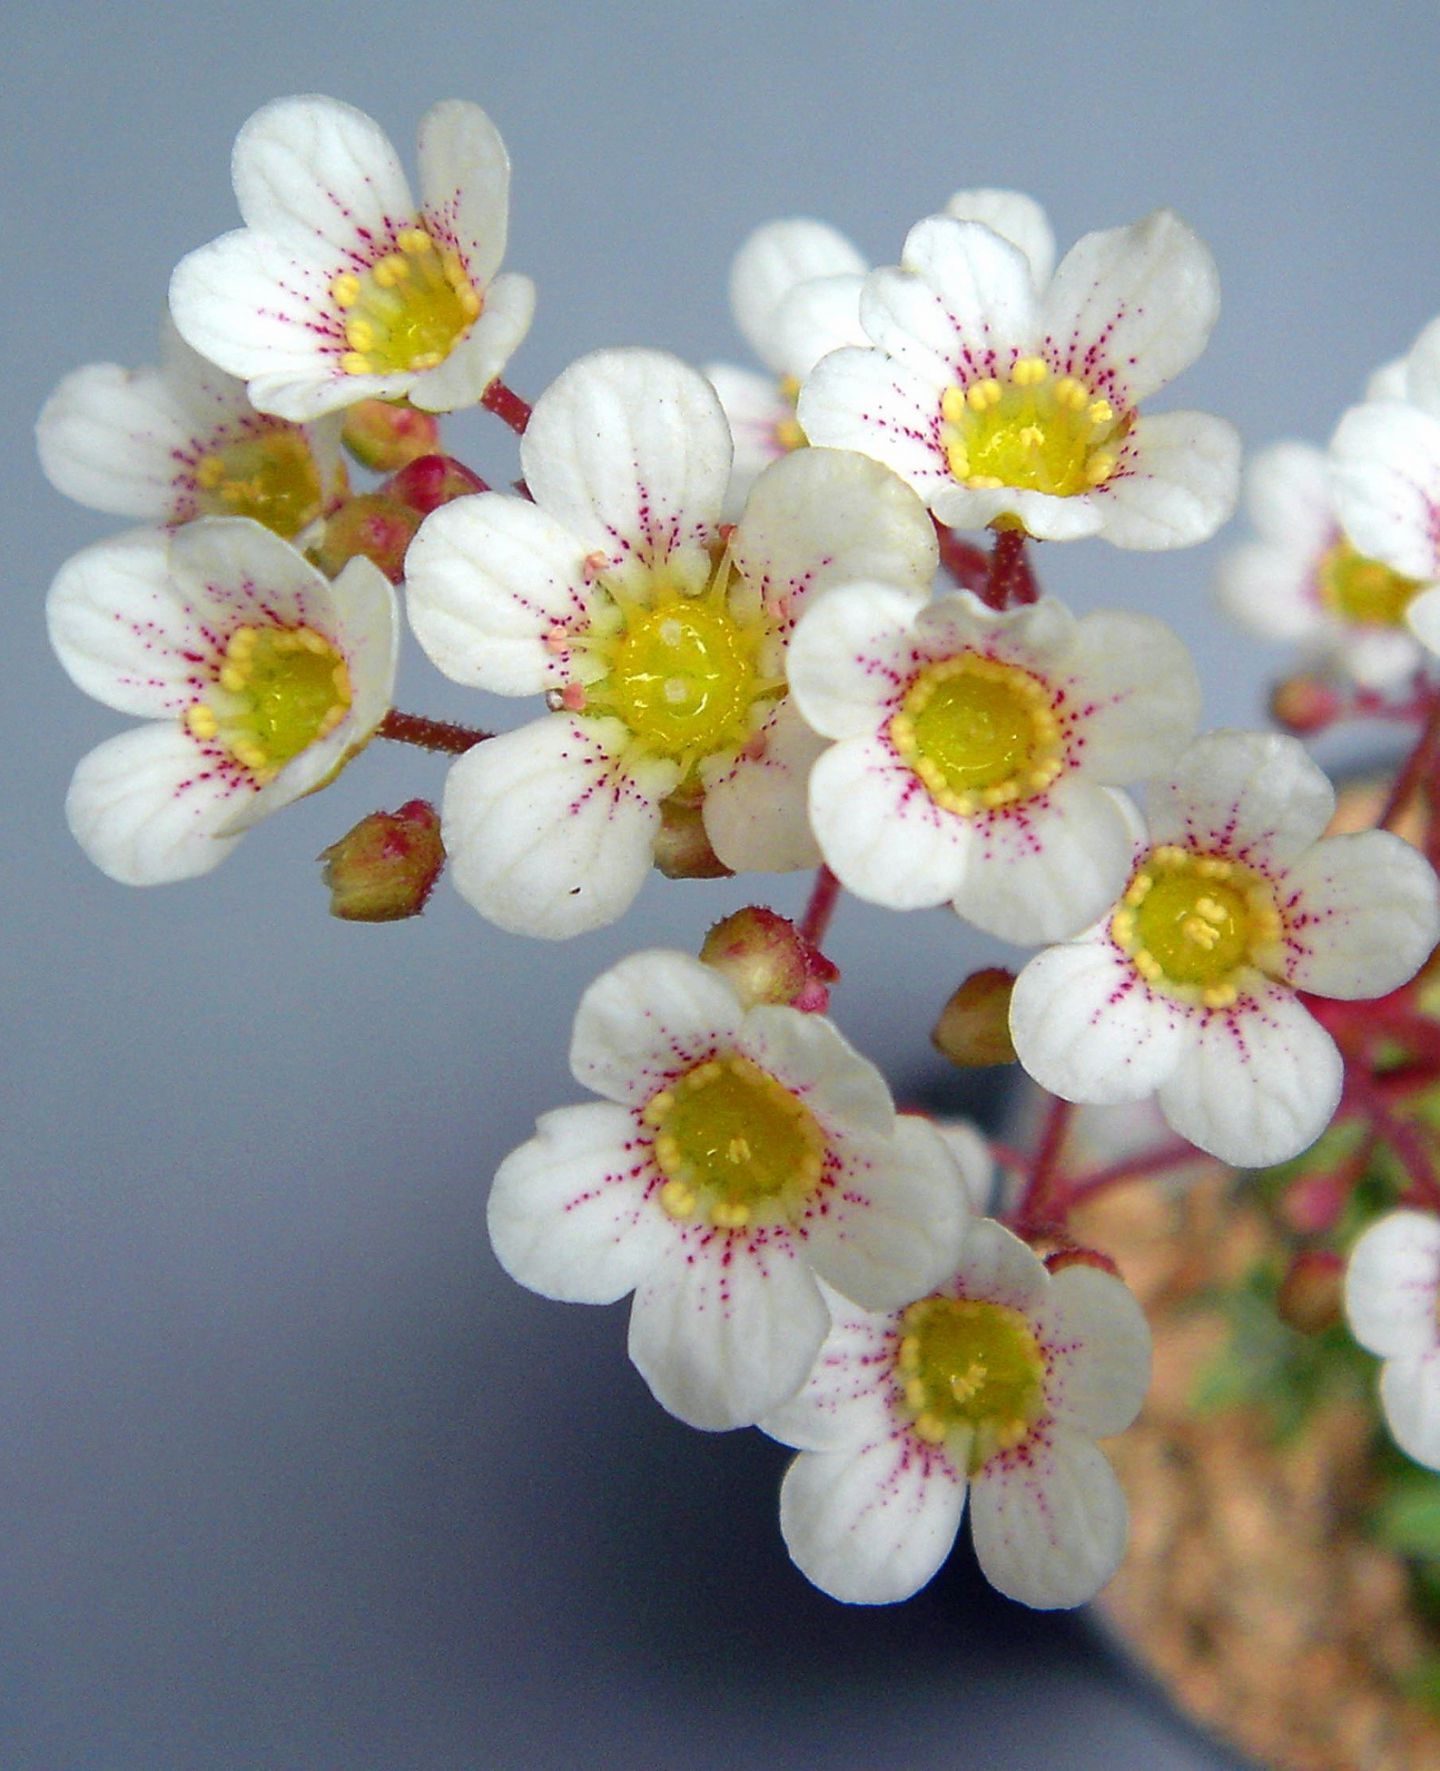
<point>1010,582</point>
<point>1414,769</point>
<point>824,895</point>
<point>430,734</point>
<point>1131,1168</point>
<point>508,407</point>
<point>1033,1207</point>
<point>967,564</point>
<point>1403,1138</point>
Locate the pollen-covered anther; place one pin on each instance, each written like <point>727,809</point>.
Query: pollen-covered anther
<point>979,734</point>
<point>1195,925</point>
<point>277,690</point>
<point>407,310</point>
<point>970,1375</point>
<point>267,474</point>
<point>734,1145</point>
<point>1031,431</point>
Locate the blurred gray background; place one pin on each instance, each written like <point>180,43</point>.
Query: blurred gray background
<point>291,1475</point>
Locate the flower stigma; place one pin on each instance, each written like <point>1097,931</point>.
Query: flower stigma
<point>270,476</point>
<point>408,310</point>
<point>1193,924</point>
<point>979,734</point>
<point>1030,430</point>
<point>1363,590</point>
<point>278,690</point>
<point>971,1376</point>
<point>736,1147</point>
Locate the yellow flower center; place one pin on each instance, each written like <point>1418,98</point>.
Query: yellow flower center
<point>1363,590</point>
<point>271,477</point>
<point>788,433</point>
<point>971,1375</point>
<point>978,733</point>
<point>278,690</point>
<point>1193,924</point>
<point>736,1147</point>
<point>1031,431</point>
<point>408,310</point>
<point>682,671</point>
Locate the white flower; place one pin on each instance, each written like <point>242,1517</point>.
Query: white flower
<point>976,752</point>
<point>659,641</point>
<point>1188,990</point>
<point>1392,1300</point>
<point>999,1383</point>
<point>259,677</point>
<point>1386,457</point>
<point>338,288</point>
<point>736,1154</point>
<point>181,440</point>
<point>1303,582</point>
<point>1001,403</point>
<point>795,294</point>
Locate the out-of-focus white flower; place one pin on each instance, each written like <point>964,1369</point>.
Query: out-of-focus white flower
<point>659,640</point>
<point>1188,990</point>
<point>260,679</point>
<point>998,1385</point>
<point>339,288</point>
<point>1001,403</point>
<point>1304,583</point>
<point>1392,1300</point>
<point>737,1153</point>
<point>181,440</point>
<point>976,753</point>
<point>1386,459</point>
<point>795,294</point>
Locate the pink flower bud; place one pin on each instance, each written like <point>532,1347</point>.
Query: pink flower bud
<point>378,527</point>
<point>432,480</point>
<point>1081,1257</point>
<point>682,849</point>
<point>974,1026</point>
<point>382,436</point>
<point>1311,1293</point>
<point>386,867</point>
<point>1304,704</point>
<point>767,959</point>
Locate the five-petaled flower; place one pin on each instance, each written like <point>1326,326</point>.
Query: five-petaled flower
<point>339,288</point>
<point>1188,990</point>
<point>737,1154</point>
<point>1004,404</point>
<point>1392,1301</point>
<point>976,753</point>
<point>658,636</point>
<point>997,1384</point>
<point>258,676</point>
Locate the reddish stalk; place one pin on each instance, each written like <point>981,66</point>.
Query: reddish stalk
<point>1403,1138</point>
<point>1009,581</point>
<point>1034,1202</point>
<point>967,564</point>
<point>430,734</point>
<point>824,895</point>
<point>1131,1168</point>
<point>508,407</point>
<point>1414,769</point>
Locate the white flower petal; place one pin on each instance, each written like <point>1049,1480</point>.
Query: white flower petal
<point>145,806</point>
<point>234,564</point>
<point>1387,485</point>
<point>1423,618</point>
<point>846,1398</point>
<point>1361,915</point>
<point>851,657</point>
<point>890,1227</point>
<point>1130,307</point>
<point>569,1215</point>
<point>1038,637</point>
<point>1271,590</point>
<point>1384,657</point>
<point>997,1266</point>
<point>1087,1028</point>
<point>864,400</point>
<point>483,352</point>
<point>1045,869</point>
<point>753,407</point>
<point>971,1150</point>
<point>487,580</point>
<point>871,1526</point>
<point>1288,497</point>
<point>820,518</point>
<point>1422,372</point>
<point>545,835</point>
<point>815,318</point>
<point>1133,681</point>
<point>1042,516</point>
<point>1098,1346</point>
<point>465,184</point>
<point>1253,796</point>
<point>1390,381</point>
<point>109,438</point>
<point>815,1061</point>
<point>1392,1285</point>
<point>729,1332</point>
<point>879,830</point>
<point>630,450</point>
<point>1257,1083</point>
<point>1049,1520</point>
<point>646,1020</point>
<point>754,812</point>
<point>773,260</point>
<point>1410,1396</point>
<point>1179,483</point>
<point>1015,217</point>
<point>321,175</point>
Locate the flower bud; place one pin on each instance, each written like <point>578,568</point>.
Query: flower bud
<point>1313,1204</point>
<point>378,527</point>
<point>383,436</point>
<point>432,480</point>
<point>386,867</point>
<point>1311,1293</point>
<point>682,849</point>
<point>767,959</point>
<point>1304,704</point>
<point>974,1026</point>
<point>1082,1257</point>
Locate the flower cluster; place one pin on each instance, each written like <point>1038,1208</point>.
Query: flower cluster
<point>722,590</point>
